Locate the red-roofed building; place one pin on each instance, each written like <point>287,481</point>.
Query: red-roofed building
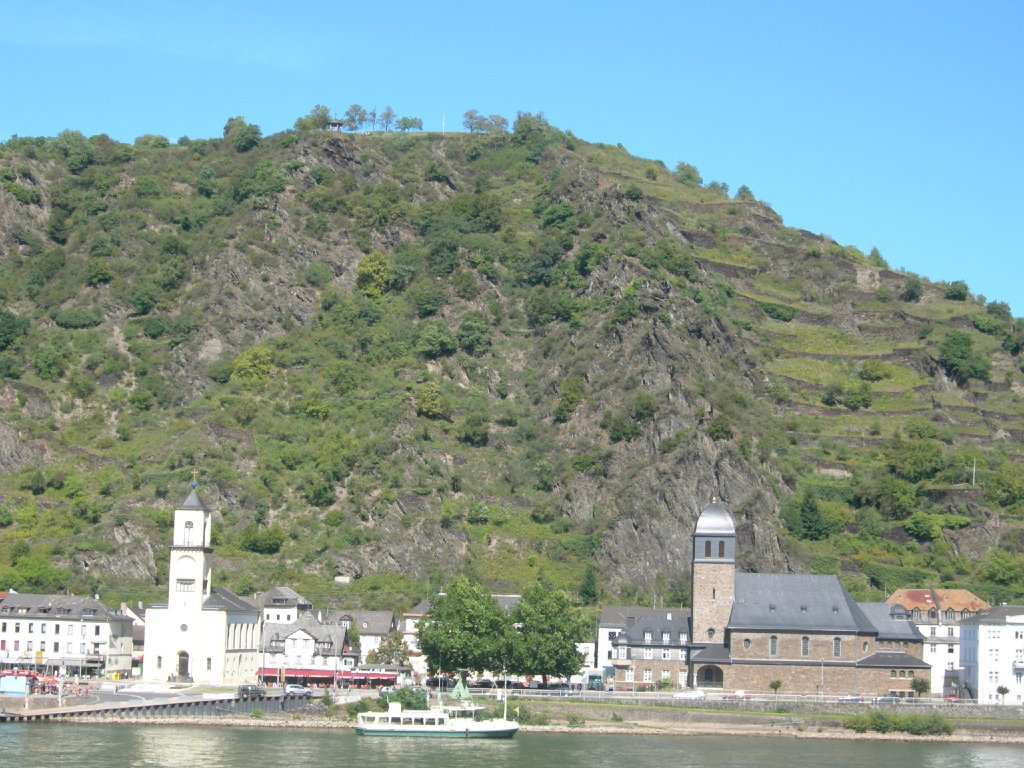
<point>938,614</point>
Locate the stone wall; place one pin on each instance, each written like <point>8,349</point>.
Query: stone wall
<point>829,679</point>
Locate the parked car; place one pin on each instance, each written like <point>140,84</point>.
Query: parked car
<point>852,698</point>
<point>694,695</point>
<point>888,700</point>
<point>251,692</point>
<point>737,696</point>
<point>293,689</point>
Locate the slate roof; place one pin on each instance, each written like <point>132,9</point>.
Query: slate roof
<point>662,620</point>
<point>712,654</point>
<point>379,623</point>
<point>715,520</point>
<point>57,607</point>
<point>421,608</point>
<point>505,602</point>
<point>893,660</point>
<point>623,616</point>
<point>221,599</point>
<point>310,626</point>
<point>892,622</point>
<point>282,596</point>
<point>1001,614</point>
<point>193,502</point>
<point>795,603</point>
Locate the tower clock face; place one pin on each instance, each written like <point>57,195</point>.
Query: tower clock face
<point>184,627</point>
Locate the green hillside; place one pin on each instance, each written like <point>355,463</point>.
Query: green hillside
<point>395,356</point>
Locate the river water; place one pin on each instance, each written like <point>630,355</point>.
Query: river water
<point>68,745</point>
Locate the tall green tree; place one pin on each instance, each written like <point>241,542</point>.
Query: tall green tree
<point>392,650</point>
<point>355,117</point>
<point>409,124</point>
<point>465,629</point>
<point>241,135</point>
<point>387,118</point>
<point>548,627</point>
<point>316,120</point>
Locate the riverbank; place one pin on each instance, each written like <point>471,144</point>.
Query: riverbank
<point>702,724</point>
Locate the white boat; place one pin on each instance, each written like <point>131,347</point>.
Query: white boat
<point>459,720</point>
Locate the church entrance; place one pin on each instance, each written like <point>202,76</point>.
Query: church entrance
<point>709,676</point>
<point>182,665</point>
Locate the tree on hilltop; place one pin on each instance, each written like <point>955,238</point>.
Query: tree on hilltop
<point>243,136</point>
<point>404,124</point>
<point>317,120</point>
<point>355,118</point>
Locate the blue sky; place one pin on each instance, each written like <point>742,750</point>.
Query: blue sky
<point>895,125</point>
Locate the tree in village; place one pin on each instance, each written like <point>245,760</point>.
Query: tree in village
<point>920,685</point>
<point>465,629</point>
<point>548,627</point>
<point>392,650</point>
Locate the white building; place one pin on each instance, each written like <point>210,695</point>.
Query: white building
<point>64,633</point>
<point>201,634</point>
<point>992,655</point>
<point>306,651</point>
<point>938,613</point>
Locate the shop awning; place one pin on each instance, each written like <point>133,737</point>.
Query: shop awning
<point>326,674</point>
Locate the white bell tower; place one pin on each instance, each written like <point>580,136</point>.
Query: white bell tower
<point>188,581</point>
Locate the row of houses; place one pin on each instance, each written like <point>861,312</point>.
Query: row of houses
<point>744,631</point>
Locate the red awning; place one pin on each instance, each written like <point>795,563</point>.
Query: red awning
<point>326,674</point>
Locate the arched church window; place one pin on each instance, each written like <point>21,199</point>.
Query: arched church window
<point>721,549</point>
<point>707,549</point>
<point>188,533</point>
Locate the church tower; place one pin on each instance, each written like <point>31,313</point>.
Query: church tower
<point>188,582</point>
<point>713,582</point>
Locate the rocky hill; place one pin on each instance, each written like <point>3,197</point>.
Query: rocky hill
<point>393,357</point>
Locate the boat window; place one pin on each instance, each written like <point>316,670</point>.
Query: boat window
<point>396,720</point>
<point>431,721</point>
<point>417,721</point>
